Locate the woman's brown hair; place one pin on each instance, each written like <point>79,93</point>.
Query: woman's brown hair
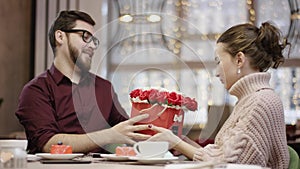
<point>262,45</point>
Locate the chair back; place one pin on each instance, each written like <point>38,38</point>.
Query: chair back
<point>294,159</point>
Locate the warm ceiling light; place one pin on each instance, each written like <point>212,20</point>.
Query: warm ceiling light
<point>153,18</point>
<point>126,18</point>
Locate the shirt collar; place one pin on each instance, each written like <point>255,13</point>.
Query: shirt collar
<point>59,77</point>
<point>56,74</point>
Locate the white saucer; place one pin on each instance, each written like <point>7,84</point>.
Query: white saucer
<point>114,157</point>
<point>153,160</point>
<point>31,157</point>
<point>58,156</point>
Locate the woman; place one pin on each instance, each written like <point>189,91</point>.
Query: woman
<point>254,133</point>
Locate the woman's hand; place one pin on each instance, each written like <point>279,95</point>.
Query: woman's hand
<point>175,142</point>
<point>164,134</point>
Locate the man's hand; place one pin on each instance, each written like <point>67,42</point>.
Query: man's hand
<point>124,132</point>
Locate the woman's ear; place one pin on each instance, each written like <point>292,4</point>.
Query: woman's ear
<point>240,59</point>
<point>59,36</point>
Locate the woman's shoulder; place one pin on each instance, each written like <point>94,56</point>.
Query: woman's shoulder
<point>265,104</point>
<point>267,97</point>
<point>263,96</point>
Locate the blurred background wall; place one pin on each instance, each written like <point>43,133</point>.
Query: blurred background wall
<point>15,61</point>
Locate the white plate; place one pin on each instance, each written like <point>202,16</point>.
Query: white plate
<point>58,156</point>
<point>31,157</point>
<point>114,157</point>
<point>153,160</point>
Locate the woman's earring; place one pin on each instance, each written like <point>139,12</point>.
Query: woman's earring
<point>238,71</point>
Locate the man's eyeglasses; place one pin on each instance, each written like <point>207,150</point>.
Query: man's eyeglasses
<point>87,37</point>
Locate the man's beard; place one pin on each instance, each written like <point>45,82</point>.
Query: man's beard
<point>78,59</point>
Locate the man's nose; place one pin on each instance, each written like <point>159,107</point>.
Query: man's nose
<point>92,45</point>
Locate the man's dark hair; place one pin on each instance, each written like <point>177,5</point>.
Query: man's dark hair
<point>66,20</point>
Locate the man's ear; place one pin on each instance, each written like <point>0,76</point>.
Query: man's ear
<point>240,59</point>
<point>59,36</point>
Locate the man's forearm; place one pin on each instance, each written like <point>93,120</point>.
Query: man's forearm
<point>82,143</point>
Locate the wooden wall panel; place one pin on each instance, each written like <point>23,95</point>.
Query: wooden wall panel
<point>15,39</point>
<point>51,15</point>
<point>41,37</point>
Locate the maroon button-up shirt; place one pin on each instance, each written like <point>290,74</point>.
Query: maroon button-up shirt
<point>51,104</point>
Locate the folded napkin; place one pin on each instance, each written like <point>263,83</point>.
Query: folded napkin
<point>211,165</point>
<point>242,166</point>
<point>202,165</point>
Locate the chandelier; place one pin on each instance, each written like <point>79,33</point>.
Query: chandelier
<point>139,22</point>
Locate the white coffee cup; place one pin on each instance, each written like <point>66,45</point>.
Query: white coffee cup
<point>151,149</point>
<point>14,143</point>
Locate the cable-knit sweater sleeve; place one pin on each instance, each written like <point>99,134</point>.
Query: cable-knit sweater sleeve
<point>236,144</point>
<point>253,134</point>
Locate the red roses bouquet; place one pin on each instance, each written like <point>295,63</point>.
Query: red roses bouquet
<point>165,108</point>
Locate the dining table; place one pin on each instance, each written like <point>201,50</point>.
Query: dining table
<point>90,162</point>
<point>93,165</point>
<point>99,163</point>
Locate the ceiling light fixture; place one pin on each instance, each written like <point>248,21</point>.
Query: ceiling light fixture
<point>154,18</point>
<point>126,18</point>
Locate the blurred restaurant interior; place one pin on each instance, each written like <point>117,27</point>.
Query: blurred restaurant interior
<point>157,43</point>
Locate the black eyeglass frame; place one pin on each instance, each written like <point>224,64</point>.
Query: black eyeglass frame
<point>86,40</point>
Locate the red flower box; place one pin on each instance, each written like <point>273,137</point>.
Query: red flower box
<point>169,118</point>
<point>165,108</point>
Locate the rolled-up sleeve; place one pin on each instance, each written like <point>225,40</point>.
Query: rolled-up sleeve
<point>36,114</point>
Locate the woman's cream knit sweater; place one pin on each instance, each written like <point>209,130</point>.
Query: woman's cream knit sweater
<point>254,133</point>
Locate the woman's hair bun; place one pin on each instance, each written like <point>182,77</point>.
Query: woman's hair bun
<point>269,39</point>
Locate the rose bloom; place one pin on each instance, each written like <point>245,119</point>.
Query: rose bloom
<point>161,97</point>
<point>135,93</point>
<point>174,99</point>
<point>145,95</point>
<point>153,95</point>
<point>190,104</point>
